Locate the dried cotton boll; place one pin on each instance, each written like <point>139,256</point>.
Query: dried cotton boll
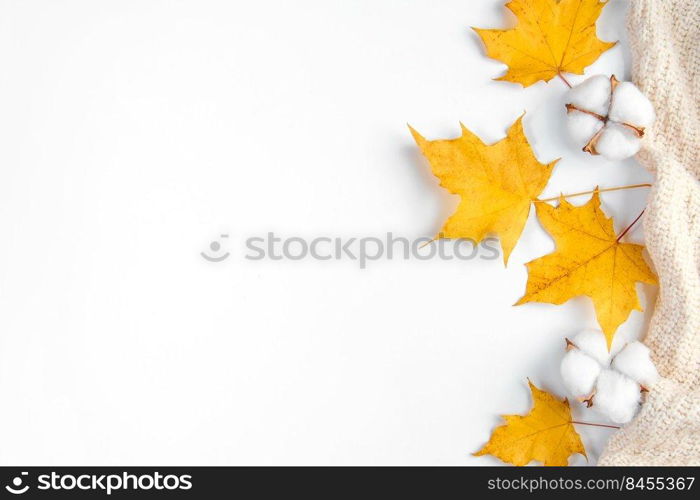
<point>616,396</point>
<point>579,372</point>
<point>607,117</point>
<point>593,343</point>
<point>612,388</point>
<point>635,362</point>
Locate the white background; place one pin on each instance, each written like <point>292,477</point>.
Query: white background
<point>133,133</point>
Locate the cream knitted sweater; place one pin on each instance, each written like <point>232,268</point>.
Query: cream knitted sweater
<point>665,41</point>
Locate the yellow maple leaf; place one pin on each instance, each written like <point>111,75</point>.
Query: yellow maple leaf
<point>546,434</point>
<point>551,37</point>
<point>588,260</point>
<point>496,183</point>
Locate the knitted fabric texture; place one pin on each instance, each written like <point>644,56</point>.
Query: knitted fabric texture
<point>664,38</point>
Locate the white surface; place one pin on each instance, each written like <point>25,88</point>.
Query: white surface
<point>134,132</point>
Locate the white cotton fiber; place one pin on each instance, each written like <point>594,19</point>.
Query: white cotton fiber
<point>616,396</point>
<point>593,343</point>
<point>582,127</point>
<point>609,116</point>
<point>615,386</point>
<point>629,105</point>
<point>592,95</point>
<point>617,142</point>
<point>579,372</point>
<point>634,361</point>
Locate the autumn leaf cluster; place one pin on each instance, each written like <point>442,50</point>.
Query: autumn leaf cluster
<point>498,184</point>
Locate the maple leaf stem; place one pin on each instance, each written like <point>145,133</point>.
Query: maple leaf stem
<point>429,242</point>
<point>606,190</point>
<point>596,425</point>
<point>630,226</point>
<point>563,79</point>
